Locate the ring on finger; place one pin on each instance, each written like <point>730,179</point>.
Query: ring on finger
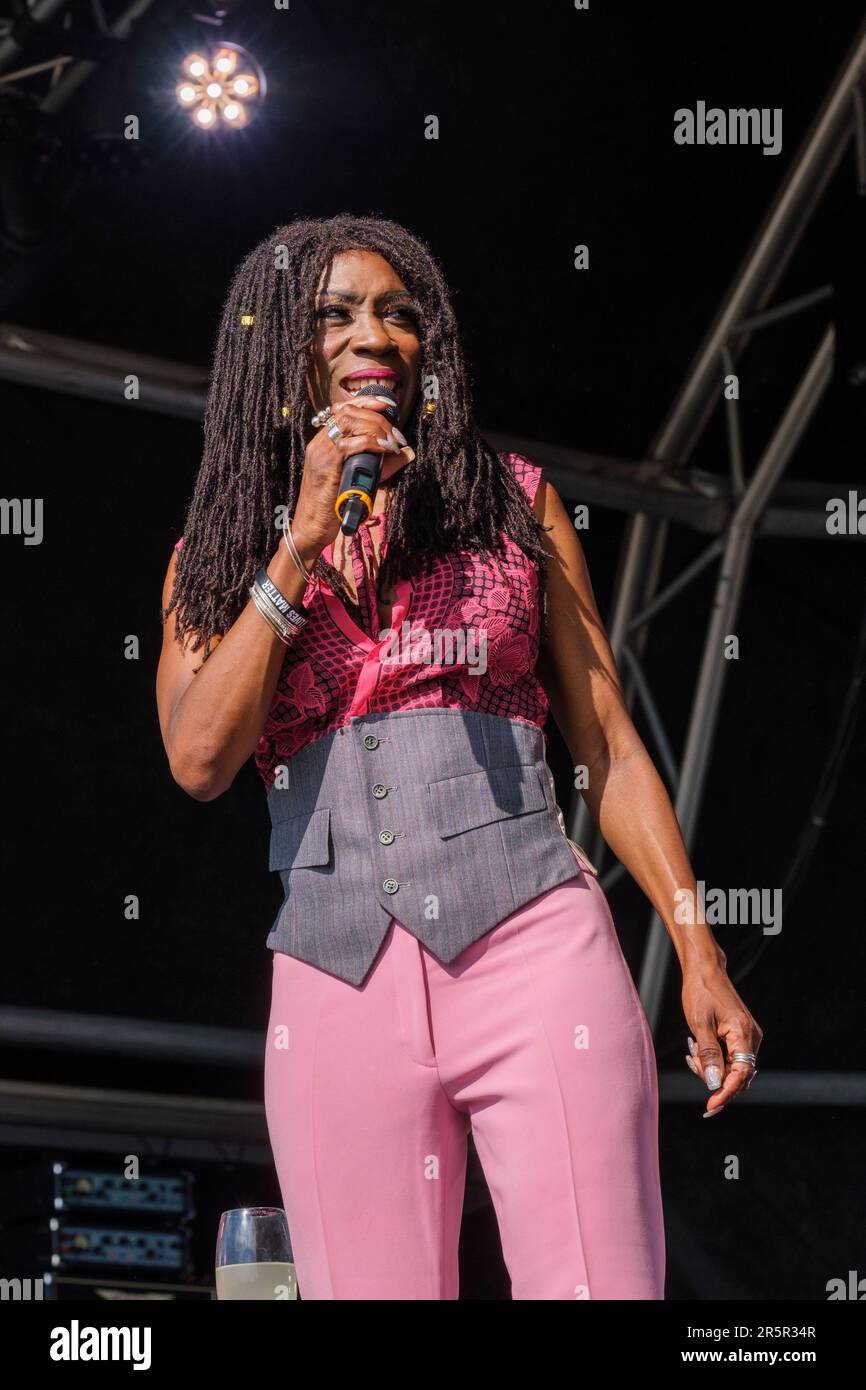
<point>334,431</point>
<point>322,416</point>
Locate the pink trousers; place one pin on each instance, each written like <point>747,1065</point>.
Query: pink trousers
<point>536,1039</point>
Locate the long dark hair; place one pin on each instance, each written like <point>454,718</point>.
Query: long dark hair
<point>458,494</point>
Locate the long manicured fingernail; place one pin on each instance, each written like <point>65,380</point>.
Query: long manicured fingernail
<point>692,1066</point>
<point>390,444</point>
<point>397,435</point>
<point>708,1114</point>
<point>713,1078</point>
<point>386,400</point>
<point>691,1045</point>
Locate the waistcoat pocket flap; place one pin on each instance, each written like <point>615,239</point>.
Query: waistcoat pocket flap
<point>478,798</point>
<point>301,841</point>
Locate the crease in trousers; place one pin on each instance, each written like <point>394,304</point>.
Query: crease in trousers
<point>534,1037</point>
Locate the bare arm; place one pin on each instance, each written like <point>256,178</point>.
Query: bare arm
<point>212,719</point>
<point>625,794</point>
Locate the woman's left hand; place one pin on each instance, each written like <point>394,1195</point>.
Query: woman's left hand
<point>715,1011</point>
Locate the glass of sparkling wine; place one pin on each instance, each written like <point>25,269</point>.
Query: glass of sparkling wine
<point>253,1255</point>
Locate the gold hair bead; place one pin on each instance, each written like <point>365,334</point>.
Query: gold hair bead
<point>285,411</point>
<point>429,407</point>
<point>247,320</point>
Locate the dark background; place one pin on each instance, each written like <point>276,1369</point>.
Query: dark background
<point>556,128</point>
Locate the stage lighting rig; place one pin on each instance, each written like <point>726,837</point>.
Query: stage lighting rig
<point>222,87</point>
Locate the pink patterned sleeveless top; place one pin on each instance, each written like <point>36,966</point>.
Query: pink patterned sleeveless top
<point>464,635</point>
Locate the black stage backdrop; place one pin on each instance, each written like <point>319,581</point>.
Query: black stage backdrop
<point>556,128</point>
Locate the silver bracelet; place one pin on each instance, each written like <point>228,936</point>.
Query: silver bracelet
<point>293,550</point>
<point>285,610</point>
<point>269,615</point>
<point>285,634</point>
<point>281,616</point>
<point>289,617</point>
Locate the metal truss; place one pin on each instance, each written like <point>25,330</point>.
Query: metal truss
<point>656,492</point>
<point>215,1129</point>
<point>637,600</point>
<point>81,51</point>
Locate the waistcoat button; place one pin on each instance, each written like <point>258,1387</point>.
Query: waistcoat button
<point>371,741</point>
<point>387,837</point>
<point>390,885</point>
<point>379,791</point>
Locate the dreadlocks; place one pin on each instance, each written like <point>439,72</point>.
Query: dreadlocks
<point>457,495</point>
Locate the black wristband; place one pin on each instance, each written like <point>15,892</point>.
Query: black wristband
<point>295,616</point>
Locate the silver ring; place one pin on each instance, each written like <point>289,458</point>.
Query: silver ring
<point>334,431</point>
<point>321,416</point>
<point>744,1057</point>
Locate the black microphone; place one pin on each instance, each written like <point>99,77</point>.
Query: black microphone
<point>360,476</point>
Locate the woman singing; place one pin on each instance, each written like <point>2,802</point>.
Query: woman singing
<point>444,957</point>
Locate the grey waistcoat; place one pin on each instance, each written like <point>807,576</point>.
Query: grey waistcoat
<point>444,819</point>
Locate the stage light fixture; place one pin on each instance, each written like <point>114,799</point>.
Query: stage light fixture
<point>213,83</point>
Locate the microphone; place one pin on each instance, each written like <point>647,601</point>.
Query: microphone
<point>360,476</point>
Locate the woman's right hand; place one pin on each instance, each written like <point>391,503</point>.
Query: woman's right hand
<point>315,523</point>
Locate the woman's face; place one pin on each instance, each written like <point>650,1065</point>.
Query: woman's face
<point>366,331</point>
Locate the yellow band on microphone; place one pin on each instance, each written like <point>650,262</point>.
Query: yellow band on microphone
<point>353,492</point>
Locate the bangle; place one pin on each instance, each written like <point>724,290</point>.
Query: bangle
<point>282,616</point>
<point>271,617</point>
<point>262,606</point>
<point>293,550</point>
<point>286,610</point>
